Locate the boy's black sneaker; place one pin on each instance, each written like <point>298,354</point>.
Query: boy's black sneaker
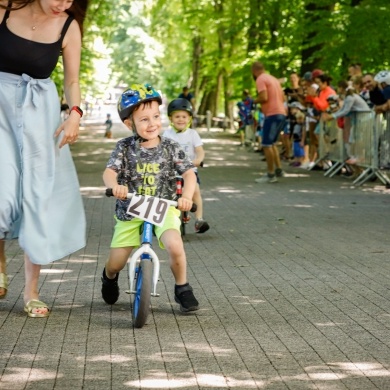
<point>201,226</point>
<point>185,298</point>
<point>110,288</point>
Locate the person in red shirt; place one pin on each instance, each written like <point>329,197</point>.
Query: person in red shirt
<point>271,97</point>
<point>319,100</point>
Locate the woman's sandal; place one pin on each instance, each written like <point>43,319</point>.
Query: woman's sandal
<point>34,304</point>
<point>3,284</point>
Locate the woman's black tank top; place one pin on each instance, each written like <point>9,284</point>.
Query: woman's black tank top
<point>19,55</point>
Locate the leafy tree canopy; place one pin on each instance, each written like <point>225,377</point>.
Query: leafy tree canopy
<point>209,45</point>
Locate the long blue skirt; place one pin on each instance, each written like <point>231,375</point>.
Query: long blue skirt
<point>40,201</point>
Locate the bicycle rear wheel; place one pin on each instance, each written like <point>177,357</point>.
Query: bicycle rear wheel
<point>184,219</point>
<point>141,300</point>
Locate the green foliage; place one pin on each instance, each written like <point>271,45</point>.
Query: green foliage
<point>100,21</point>
<point>209,45</point>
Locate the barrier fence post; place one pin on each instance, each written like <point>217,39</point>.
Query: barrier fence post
<point>208,120</point>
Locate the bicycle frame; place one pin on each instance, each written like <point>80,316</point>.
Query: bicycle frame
<point>144,266</point>
<point>145,251</point>
<point>184,215</point>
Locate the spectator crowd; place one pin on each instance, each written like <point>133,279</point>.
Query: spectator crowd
<point>311,101</point>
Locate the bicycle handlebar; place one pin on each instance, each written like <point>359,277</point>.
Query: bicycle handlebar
<point>171,202</point>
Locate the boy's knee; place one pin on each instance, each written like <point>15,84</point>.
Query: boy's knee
<point>118,259</point>
<point>113,268</point>
<point>175,248</point>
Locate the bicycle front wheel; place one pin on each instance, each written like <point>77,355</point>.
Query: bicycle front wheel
<point>141,301</point>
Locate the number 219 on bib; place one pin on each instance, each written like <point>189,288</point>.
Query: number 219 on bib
<point>148,208</point>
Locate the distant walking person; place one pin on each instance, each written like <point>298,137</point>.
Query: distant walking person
<point>270,96</point>
<point>249,121</point>
<point>186,94</point>
<point>108,123</point>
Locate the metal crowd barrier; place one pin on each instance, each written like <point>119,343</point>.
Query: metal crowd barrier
<point>369,143</point>
<point>382,146</point>
<point>331,146</point>
<point>210,121</point>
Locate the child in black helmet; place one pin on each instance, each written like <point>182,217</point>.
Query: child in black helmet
<point>180,114</point>
<point>146,164</point>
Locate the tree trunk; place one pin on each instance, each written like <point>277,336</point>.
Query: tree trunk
<point>310,58</point>
<point>196,60</point>
<point>256,37</point>
<point>227,103</point>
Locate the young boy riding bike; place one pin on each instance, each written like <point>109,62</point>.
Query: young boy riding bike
<point>147,164</point>
<point>180,114</point>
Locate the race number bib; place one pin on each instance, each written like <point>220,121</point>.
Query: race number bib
<point>148,208</point>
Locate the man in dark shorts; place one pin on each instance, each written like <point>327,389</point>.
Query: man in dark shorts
<point>270,96</point>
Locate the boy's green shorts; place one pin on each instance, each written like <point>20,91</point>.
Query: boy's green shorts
<point>127,233</point>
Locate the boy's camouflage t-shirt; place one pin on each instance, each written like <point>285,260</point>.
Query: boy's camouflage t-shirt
<point>147,171</point>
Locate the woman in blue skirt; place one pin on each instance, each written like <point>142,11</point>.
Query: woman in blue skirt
<point>40,202</point>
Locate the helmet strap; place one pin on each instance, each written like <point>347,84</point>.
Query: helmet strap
<point>182,131</point>
<point>137,137</point>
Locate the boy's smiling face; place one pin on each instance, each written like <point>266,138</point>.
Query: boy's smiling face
<point>147,121</point>
<point>180,120</point>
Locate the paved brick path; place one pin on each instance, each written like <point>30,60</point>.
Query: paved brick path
<point>293,280</point>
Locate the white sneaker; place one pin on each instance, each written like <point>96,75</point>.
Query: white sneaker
<point>311,165</point>
<point>266,179</point>
<point>305,165</point>
<point>327,165</point>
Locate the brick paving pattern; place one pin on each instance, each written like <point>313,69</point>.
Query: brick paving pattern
<point>292,277</point>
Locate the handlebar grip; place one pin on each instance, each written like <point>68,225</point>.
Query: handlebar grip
<point>193,208</point>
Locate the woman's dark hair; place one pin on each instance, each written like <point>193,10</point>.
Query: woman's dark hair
<point>358,80</point>
<point>16,4</point>
<point>324,78</point>
<point>78,9</point>
<point>343,84</point>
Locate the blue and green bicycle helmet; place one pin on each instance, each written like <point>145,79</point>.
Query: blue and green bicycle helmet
<point>134,96</point>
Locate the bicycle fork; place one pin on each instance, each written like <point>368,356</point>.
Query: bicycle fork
<point>144,251</point>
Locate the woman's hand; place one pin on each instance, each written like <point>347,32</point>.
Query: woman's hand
<point>71,128</point>
<point>380,109</point>
<point>311,91</point>
<point>326,117</point>
<point>184,204</point>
